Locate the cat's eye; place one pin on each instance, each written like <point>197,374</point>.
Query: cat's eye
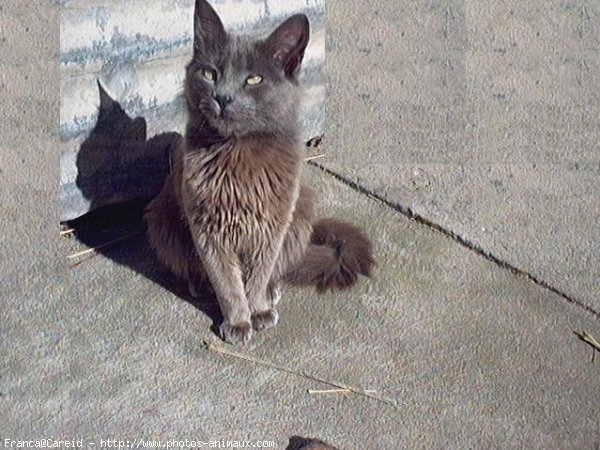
<point>209,74</point>
<point>254,80</point>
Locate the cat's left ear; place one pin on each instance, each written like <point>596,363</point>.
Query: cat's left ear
<point>286,45</point>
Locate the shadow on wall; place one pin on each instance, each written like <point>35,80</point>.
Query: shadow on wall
<point>116,163</point>
<point>119,172</point>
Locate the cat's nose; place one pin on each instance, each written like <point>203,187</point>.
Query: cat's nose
<point>223,100</point>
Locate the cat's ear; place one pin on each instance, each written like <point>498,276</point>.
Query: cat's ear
<point>209,32</point>
<point>106,101</point>
<point>286,45</point>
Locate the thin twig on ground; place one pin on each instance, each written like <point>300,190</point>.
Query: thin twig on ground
<point>81,261</point>
<point>310,158</point>
<point>94,249</point>
<point>335,391</point>
<point>589,339</point>
<point>66,232</point>
<point>227,351</point>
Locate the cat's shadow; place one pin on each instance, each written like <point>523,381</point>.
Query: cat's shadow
<point>119,172</point>
<point>122,228</point>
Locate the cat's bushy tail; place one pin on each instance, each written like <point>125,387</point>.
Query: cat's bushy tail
<point>337,254</point>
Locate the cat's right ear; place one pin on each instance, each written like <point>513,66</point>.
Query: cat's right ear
<point>209,32</point>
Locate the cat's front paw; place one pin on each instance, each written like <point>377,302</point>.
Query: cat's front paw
<point>236,334</point>
<point>264,319</point>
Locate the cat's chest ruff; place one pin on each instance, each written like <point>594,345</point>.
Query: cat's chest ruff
<point>240,184</point>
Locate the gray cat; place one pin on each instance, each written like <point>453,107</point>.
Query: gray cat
<point>233,212</point>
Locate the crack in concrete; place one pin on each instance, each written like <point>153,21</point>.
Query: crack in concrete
<point>408,212</point>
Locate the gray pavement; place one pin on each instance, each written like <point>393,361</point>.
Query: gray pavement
<point>481,116</point>
<point>474,355</point>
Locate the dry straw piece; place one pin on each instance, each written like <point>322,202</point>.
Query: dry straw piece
<point>589,339</point>
<point>335,391</point>
<point>310,158</point>
<point>94,249</point>
<point>365,393</point>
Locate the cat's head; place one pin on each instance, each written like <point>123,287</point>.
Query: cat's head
<point>241,85</point>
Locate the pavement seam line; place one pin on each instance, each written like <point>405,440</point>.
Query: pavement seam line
<point>464,242</point>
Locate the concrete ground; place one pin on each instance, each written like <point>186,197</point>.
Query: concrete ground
<point>481,116</point>
<point>474,354</point>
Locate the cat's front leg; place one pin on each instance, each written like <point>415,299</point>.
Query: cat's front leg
<point>274,292</point>
<point>259,272</point>
<point>223,269</point>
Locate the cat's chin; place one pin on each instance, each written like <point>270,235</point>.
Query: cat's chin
<point>228,128</point>
<point>234,128</point>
